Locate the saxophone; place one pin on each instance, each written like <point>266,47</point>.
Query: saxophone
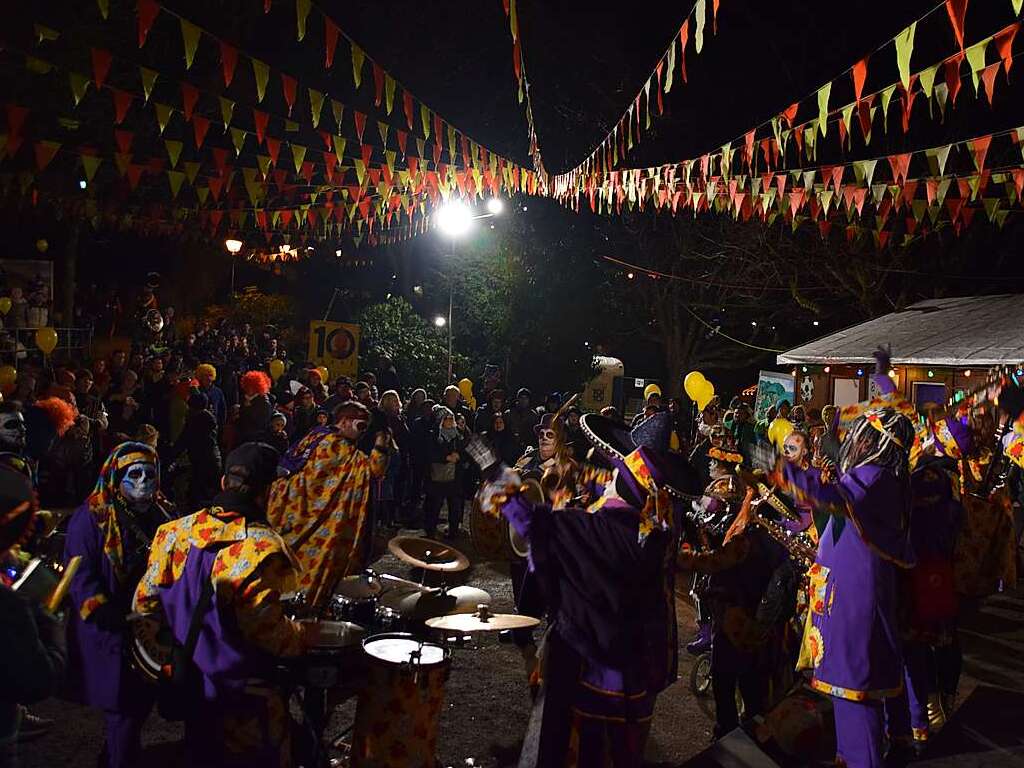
<point>802,550</point>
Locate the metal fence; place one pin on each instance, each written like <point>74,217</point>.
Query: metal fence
<point>17,344</point>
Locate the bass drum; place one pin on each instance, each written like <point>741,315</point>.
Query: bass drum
<point>151,647</point>
<point>490,535</point>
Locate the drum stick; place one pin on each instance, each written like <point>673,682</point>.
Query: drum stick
<point>61,590</point>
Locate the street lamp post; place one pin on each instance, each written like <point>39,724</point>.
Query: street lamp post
<point>233,247</point>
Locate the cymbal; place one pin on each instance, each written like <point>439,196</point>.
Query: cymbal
<point>482,621</point>
<point>419,605</point>
<point>359,587</point>
<point>428,554</point>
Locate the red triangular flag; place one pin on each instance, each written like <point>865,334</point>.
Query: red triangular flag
<point>330,42</point>
<point>134,174</point>
<point>360,120</point>
<point>100,66</point>
<point>684,36</point>
<point>900,164</point>
<point>790,114</point>
<point>200,125</point>
<point>260,119</point>
<point>228,62</point>
<point>378,83</point>
<point>123,139</point>
<point>366,150</point>
<point>657,85</point>
<point>932,189</point>
<point>979,147</point>
<point>951,71</point>
<point>288,86</point>
<point>860,75</point>
<point>1018,180</point>
<point>325,137</point>
<point>45,152</point>
<point>956,10</point>
<point>148,9</point>
<point>908,102</point>
<point>1004,45</point>
<point>953,205</point>
<point>883,238</point>
<point>216,184</point>
<point>401,137</point>
<point>864,114</point>
<point>122,100</point>
<point>220,159</point>
<point>988,77</point>
<point>189,97</point>
<point>273,148</point>
<point>407,106</point>
<point>307,171</point>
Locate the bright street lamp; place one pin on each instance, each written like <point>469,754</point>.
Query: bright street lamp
<point>233,246</point>
<point>454,218</point>
<point>440,321</point>
<point>495,206</point>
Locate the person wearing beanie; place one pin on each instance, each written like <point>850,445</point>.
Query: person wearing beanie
<point>35,652</point>
<point>112,532</point>
<point>206,374</point>
<point>227,565</point>
<point>277,437</point>
<point>520,421</point>
<point>328,525</point>
<point>198,440</point>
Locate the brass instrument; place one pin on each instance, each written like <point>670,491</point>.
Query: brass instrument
<point>802,550</point>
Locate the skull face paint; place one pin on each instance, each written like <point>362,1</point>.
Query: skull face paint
<point>12,431</point>
<point>139,484</point>
<point>546,443</point>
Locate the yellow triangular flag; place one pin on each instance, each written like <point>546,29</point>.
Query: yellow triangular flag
<point>148,78</point>
<point>338,109</point>
<point>1017,5</point>
<point>339,148</point>
<point>238,138</point>
<point>823,93</point>
<point>357,65</point>
<point>203,193</point>
<point>382,128</point>
<point>451,143</point>
<point>360,171</point>
<point>291,126</point>
<point>885,97</point>
<point>89,164</point>
<point>173,151</point>
<point>316,105</point>
<point>298,155</point>
<point>976,60</point>
<point>175,178</point>
<point>79,85</point>
<point>227,109</point>
<point>190,37</point>
<point>163,116</point>
<point>904,48</point>
<point>389,92</point>
<point>425,120</point>
<point>389,158</point>
<point>191,171</point>
<point>262,74</point>
<point>104,6</point>
<point>699,14</point>
<point>263,161</point>
<point>45,33</point>
<point>301,12</point>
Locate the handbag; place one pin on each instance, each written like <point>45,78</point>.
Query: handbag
<point>180,685</point>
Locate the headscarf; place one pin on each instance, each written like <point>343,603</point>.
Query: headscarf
<point>883,437</point>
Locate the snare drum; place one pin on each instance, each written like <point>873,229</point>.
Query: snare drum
<point>355,600</point>
<point>399,708</point>
<point>333,652</point>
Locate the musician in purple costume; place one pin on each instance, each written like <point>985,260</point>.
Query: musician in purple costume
<point>112,531</point>
<point>851,638</point>
<point>607,574</point>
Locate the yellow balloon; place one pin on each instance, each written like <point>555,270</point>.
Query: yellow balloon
<point>5,305</point>
<point>693,384</point>
<point>706,395</point>
<point>276,369</point>
<point>46,340</point>
<point>778,431</point>
<point>651,389</point>
<point>8,375</point>
<point>466,388</point>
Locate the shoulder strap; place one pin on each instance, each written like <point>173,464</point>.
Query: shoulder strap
<point>198,612</point>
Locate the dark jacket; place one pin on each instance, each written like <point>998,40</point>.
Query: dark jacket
<point>254,419</point>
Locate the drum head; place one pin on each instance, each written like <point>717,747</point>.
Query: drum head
<point>401,648</point>
<point>360,587</point>
<point>333,634</point>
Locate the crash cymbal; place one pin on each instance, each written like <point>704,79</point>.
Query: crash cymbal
<point>359,587</point>
<point>419,605</point>
<point>428,554</point>
<point>482,621</point>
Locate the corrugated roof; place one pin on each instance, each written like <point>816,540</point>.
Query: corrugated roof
<point>965,331</point>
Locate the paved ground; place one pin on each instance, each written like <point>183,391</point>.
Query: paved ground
<point>487,705</point>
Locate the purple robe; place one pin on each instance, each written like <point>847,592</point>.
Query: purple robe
<point>613,635</point>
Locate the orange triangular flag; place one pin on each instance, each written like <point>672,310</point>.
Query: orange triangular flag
<point>979,148</point>
<point>957,9</point>
<point>860,75</point>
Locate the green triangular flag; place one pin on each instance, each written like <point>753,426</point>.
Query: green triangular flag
<point>190,37</point>
<point>904,48</point>
<point>301,12</point>
<point>262,74</point>
<point>338,109</point>
<point>89,165</point>
<point>163,116</point>
<point>173,151</point>
<point>357,65</point>
<point>238,138</point>
<point>298,155</point>
<point>316,104</point>
<point>823,93</point>
<point>79,85</point>
<point>227,109</point>
<point>148,78</point>
<point>175,178</point>
<point>699,13</point>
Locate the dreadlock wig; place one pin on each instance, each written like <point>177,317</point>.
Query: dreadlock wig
<point>882,437</point>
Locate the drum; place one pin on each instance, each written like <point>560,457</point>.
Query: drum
<point>398,710</point>
<point>491,536</point>
<point>388,620</point>
<point>334,650</point>
<point>151,646</point>
<point>355,600</point>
